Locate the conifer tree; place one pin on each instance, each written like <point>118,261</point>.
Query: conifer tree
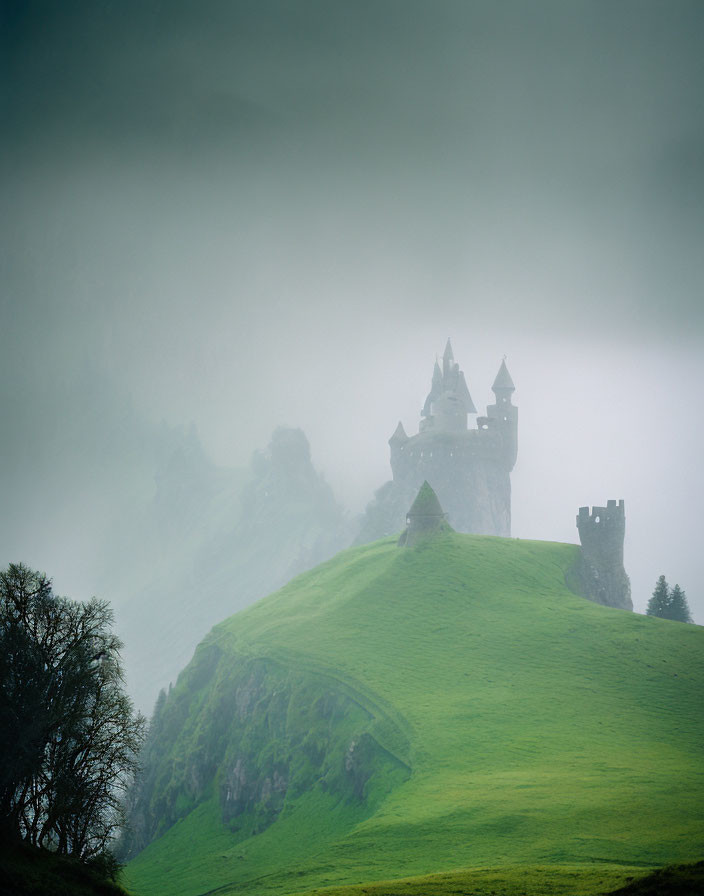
<point>679,608</point>
<point>659,603</point>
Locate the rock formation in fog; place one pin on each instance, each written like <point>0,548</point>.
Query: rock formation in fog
<point>220,542</point>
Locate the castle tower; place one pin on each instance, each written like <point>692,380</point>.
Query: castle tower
<point>448,402</point>
<point>602,577</point>
<point>466,461</point>
<point>505,414</point>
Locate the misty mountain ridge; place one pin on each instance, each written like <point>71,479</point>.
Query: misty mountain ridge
<point>137,513</point>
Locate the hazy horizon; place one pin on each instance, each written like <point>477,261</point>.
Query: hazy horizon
<point>247,215</point>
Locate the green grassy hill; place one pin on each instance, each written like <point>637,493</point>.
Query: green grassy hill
<point>403,712</point>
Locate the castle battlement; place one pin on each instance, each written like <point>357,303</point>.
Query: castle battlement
<point>613,510</point>
<point>601,522</point>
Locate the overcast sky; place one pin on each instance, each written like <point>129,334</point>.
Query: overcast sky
<point>246,214</point>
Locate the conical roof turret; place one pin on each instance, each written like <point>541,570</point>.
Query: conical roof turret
<point>503,381</point>
<point>425,518</point>
<point>426,504</point>
<point>463,394</point>
<point>399,434</point>
<point>435,390</point>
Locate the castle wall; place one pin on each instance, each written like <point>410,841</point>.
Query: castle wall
<point>465,471</point>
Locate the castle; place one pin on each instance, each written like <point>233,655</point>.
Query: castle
<point>466,469</point>
<point>467,466</point>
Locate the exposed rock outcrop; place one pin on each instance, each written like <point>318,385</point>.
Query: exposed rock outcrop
<point>258,735</point>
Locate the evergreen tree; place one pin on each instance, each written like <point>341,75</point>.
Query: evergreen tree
<point>659,603</point>
<point>678,608</point>
<point>669,603</point>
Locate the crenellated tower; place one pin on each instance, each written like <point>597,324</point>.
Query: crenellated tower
<point>601,574</point>
<point>466,459</point>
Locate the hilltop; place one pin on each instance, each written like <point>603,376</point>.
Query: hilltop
<point>401,712</point>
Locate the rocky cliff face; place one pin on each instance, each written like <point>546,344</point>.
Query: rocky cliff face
<point>255,736</point>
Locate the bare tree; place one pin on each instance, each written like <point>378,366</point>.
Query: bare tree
<point>66,725</point>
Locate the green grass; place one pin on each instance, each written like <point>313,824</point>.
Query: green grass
<point>535,728</point>
<point>681,880</point>
<point>528,880</point>
<point>28,871</point>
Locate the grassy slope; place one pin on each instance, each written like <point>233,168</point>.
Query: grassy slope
<point>540,729</point>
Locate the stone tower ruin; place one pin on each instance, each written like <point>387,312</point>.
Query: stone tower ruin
<point>466,460</point>
<point>601,574</point>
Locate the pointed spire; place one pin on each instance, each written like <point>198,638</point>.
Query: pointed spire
<point>447,359</point>
<point>463,394</point>
<point>435,390</point>
<point>399,434</point>
<point>503,381</point>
